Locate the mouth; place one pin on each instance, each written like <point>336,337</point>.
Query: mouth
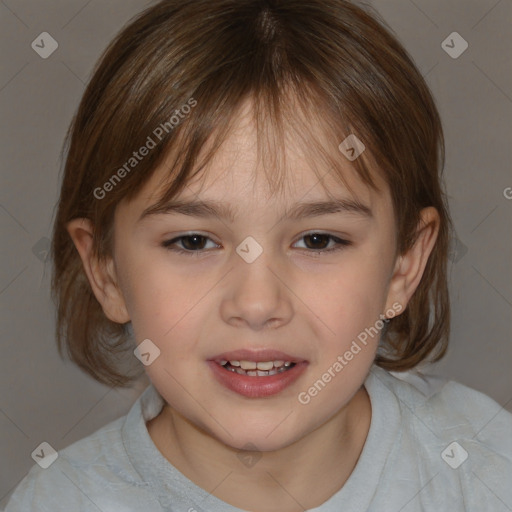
<point>256,374</point>
<point>257,369</point>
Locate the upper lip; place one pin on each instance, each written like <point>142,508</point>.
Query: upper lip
<point>257,356</point>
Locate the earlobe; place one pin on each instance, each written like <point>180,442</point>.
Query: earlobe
<point>101,274</point>
<point>409,267</point>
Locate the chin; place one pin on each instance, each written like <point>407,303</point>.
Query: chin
<point>267,436</point>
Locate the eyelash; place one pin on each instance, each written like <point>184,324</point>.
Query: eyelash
<point>340,244</point>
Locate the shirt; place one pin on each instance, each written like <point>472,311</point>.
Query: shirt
<point>432,445</point>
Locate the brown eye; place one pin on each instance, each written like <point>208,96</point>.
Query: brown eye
<point>319,243</point>
<point>193,243</point>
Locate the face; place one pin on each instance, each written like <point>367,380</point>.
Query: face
<point>215,294</point>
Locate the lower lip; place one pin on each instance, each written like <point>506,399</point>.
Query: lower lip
<point>257,387</point>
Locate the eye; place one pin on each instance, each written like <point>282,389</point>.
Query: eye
<point>319,242</point>
<point>192,244</point>
<point>195,244</point>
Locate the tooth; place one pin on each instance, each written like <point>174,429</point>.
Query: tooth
<point>234,363</point>
<point>262,373</point>
<point>239,371</point>
<point>265,365</point>
<point>222,362</point>
<point>248,365</point>
<point>288,363</point>
<point>272,372</point>
<point>252,373</point>
<point>277,364</point>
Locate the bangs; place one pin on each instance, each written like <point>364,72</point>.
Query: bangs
<point>292,123</point>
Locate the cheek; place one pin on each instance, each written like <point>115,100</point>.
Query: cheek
<point>349,305</point>
<point>355,291</point>
<point>159,300</point>
<point>350,300</point>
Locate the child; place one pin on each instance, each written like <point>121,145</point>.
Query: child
<point>262,128</point>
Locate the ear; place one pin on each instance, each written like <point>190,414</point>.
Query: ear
<point>101,275</point>
<point>409,267</point>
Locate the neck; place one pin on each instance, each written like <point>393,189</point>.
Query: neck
<point>268,481</point>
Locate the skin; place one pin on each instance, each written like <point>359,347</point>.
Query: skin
<point>290,298</point>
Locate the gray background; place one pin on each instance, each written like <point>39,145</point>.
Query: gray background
<point>43,398</point>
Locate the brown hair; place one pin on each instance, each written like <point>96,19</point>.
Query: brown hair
<point>327,61</point>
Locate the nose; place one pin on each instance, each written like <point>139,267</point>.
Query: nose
<point>257,295</point>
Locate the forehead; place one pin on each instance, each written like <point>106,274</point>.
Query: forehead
<point>256,167</point>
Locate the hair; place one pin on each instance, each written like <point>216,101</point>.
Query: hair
<point>315,66</point>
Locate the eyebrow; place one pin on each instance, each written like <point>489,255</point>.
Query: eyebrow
<point>210,208</point>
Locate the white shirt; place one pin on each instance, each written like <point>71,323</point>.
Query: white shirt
<point>432,446</point>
